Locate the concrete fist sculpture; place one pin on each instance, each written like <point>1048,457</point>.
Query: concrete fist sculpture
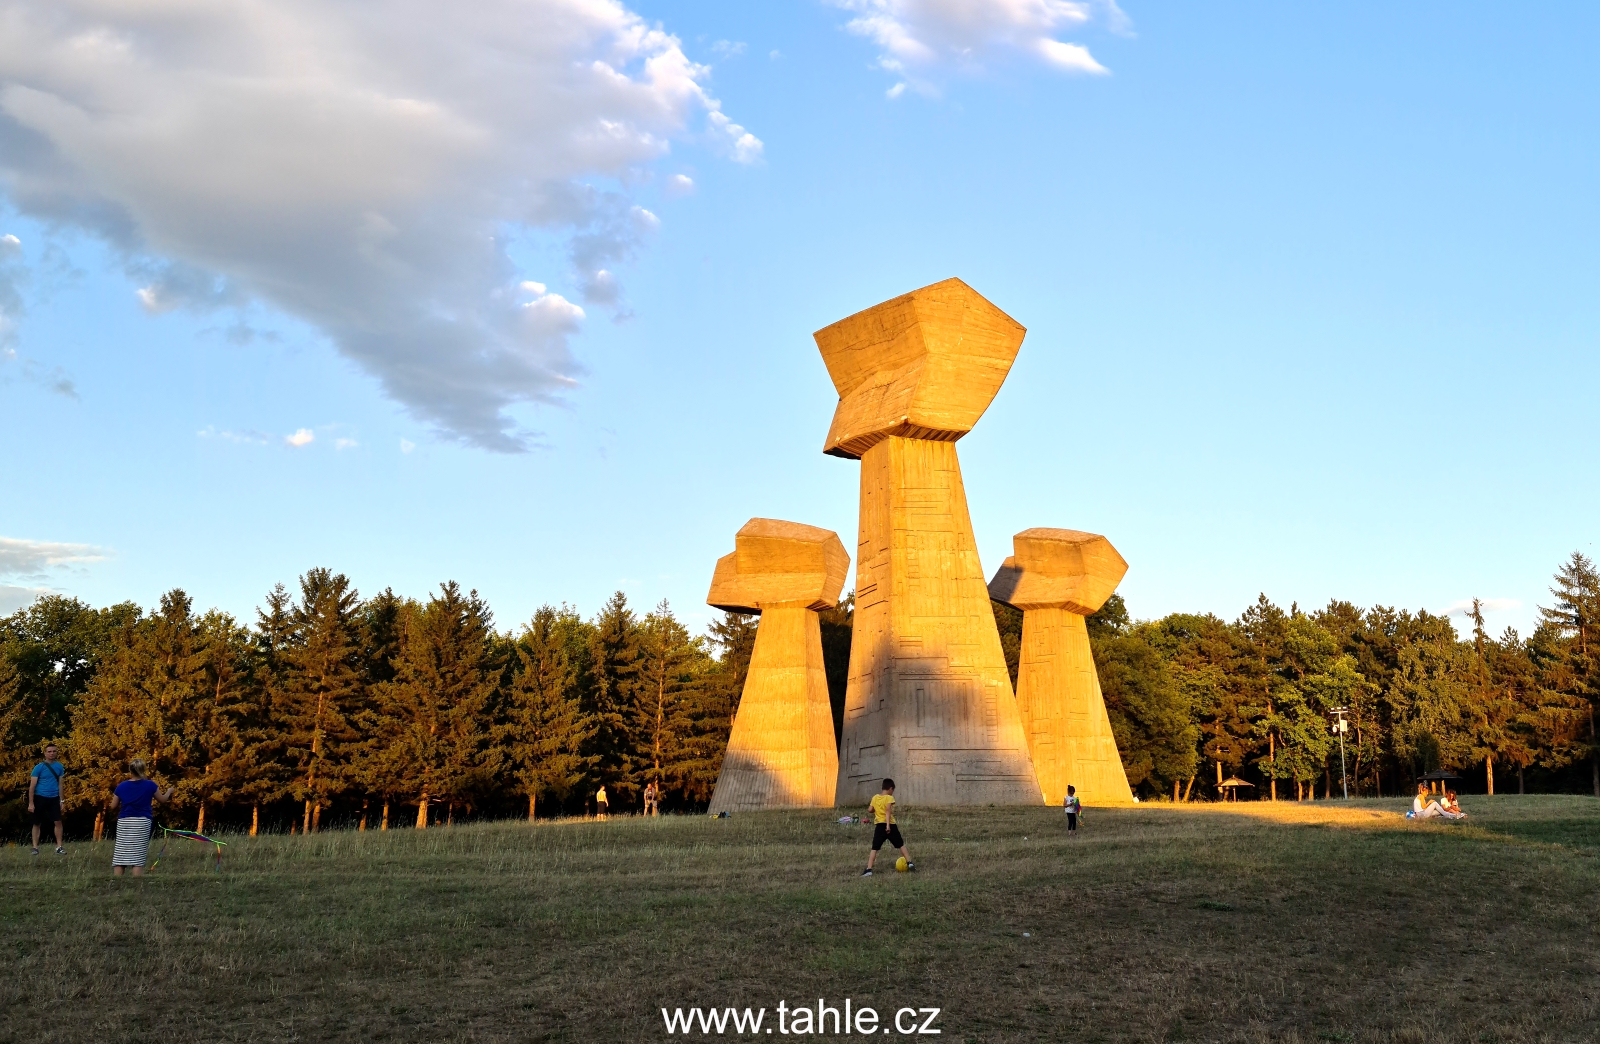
<point>929,701</point>
<point>1057,577</point>
<point>781,753</point>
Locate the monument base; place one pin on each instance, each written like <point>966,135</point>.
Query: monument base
<point>781,753</point>
<point>1064,711</point>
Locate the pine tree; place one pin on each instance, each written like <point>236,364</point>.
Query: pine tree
<point>615,681</point>
<point>434,721</point>
<point>546,731</point>
<point>223,707</point>
<point>263,725</point>
<point>1576,613</point>
<point>324,689</point>
<point>679,724</point>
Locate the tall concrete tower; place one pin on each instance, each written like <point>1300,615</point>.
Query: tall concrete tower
<point>929,700</point>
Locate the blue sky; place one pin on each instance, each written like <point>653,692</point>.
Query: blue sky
<point>1309,291</point>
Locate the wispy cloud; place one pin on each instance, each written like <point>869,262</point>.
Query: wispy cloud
<point>916,38</point>
<point>344,444</point>
<point>302,437</point>
<point>257,438</point>
<point>13,598</point>
<point>1463,607</point>
<point>178,135</point>
<point>32,559</point>
<point>13,273</point>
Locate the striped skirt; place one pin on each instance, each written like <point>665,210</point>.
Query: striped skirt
<point>133,842</point>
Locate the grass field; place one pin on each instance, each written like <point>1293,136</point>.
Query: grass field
<point>1246,922</point>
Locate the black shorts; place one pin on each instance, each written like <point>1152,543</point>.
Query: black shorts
<point>46,810</point>
<point>886,831</point>
<point>1072,820</point>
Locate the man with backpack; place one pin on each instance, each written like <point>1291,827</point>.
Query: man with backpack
<point>44,796</point>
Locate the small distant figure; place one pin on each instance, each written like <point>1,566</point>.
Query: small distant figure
<point>1422,807</point>
<point>652,798</point>
<point>131,801</point>
<point>600,803</point>
<point>44,797</point>
<point>885,829</point>
<point>1449,808</point>
<point>1074,809</point>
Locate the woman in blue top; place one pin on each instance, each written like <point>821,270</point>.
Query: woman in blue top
<point>132,803</point>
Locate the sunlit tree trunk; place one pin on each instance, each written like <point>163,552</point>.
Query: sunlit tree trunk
<point>450,814</point>
<point>363,826</point>
<point>385,816</point>
<point>200,827</point>
<point>305,823</point>
<point>99,824</point>
<point>422,811</point>
<point>316,819</point>
<point>1488,772</point>
<point>255,819</point>
<point>1188,789</point>
<point>532,802</point>
<point>1272,757</point>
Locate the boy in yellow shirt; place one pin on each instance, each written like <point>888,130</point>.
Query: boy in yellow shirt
<point>884,828</point>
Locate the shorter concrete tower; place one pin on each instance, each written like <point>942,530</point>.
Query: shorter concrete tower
<point>1057,578</point>
<point>782,752</point>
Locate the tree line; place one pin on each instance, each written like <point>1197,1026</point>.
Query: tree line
<point>330,704</point>
<point>1194,699</point>
<point>333,702</point>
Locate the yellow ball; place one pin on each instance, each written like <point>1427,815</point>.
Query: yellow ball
<point>901,864</point>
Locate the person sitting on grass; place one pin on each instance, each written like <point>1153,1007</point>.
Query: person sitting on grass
<point>1449,808</point>
<point>884,828</point>
<point>1421,807</point>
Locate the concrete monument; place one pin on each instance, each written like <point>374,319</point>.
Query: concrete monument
<point>781,753</point>
<point>929,700</point>
<point>1057,577</point>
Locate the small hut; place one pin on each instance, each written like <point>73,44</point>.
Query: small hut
<point>1230,787</point>
<point>1440,781</point>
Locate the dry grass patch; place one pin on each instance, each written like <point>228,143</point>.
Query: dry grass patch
<point>1248,922</point>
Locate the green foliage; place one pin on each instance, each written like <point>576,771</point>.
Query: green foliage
<point>546,732</point>
<point>430,730</point>
<point>329,700</point>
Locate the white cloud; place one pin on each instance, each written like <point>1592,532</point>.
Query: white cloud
<point>30,559</point>
<point>302,437</point>
<point>406,445</point>
<point>727,48</point>
<point>13,598</point>
<point>680,185</point>
<point>917,36</point>
<point>344,444</point>
<point>26,565</point>
<point>359,166</point>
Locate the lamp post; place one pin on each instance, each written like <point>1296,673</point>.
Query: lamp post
<point>1340,727</point>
